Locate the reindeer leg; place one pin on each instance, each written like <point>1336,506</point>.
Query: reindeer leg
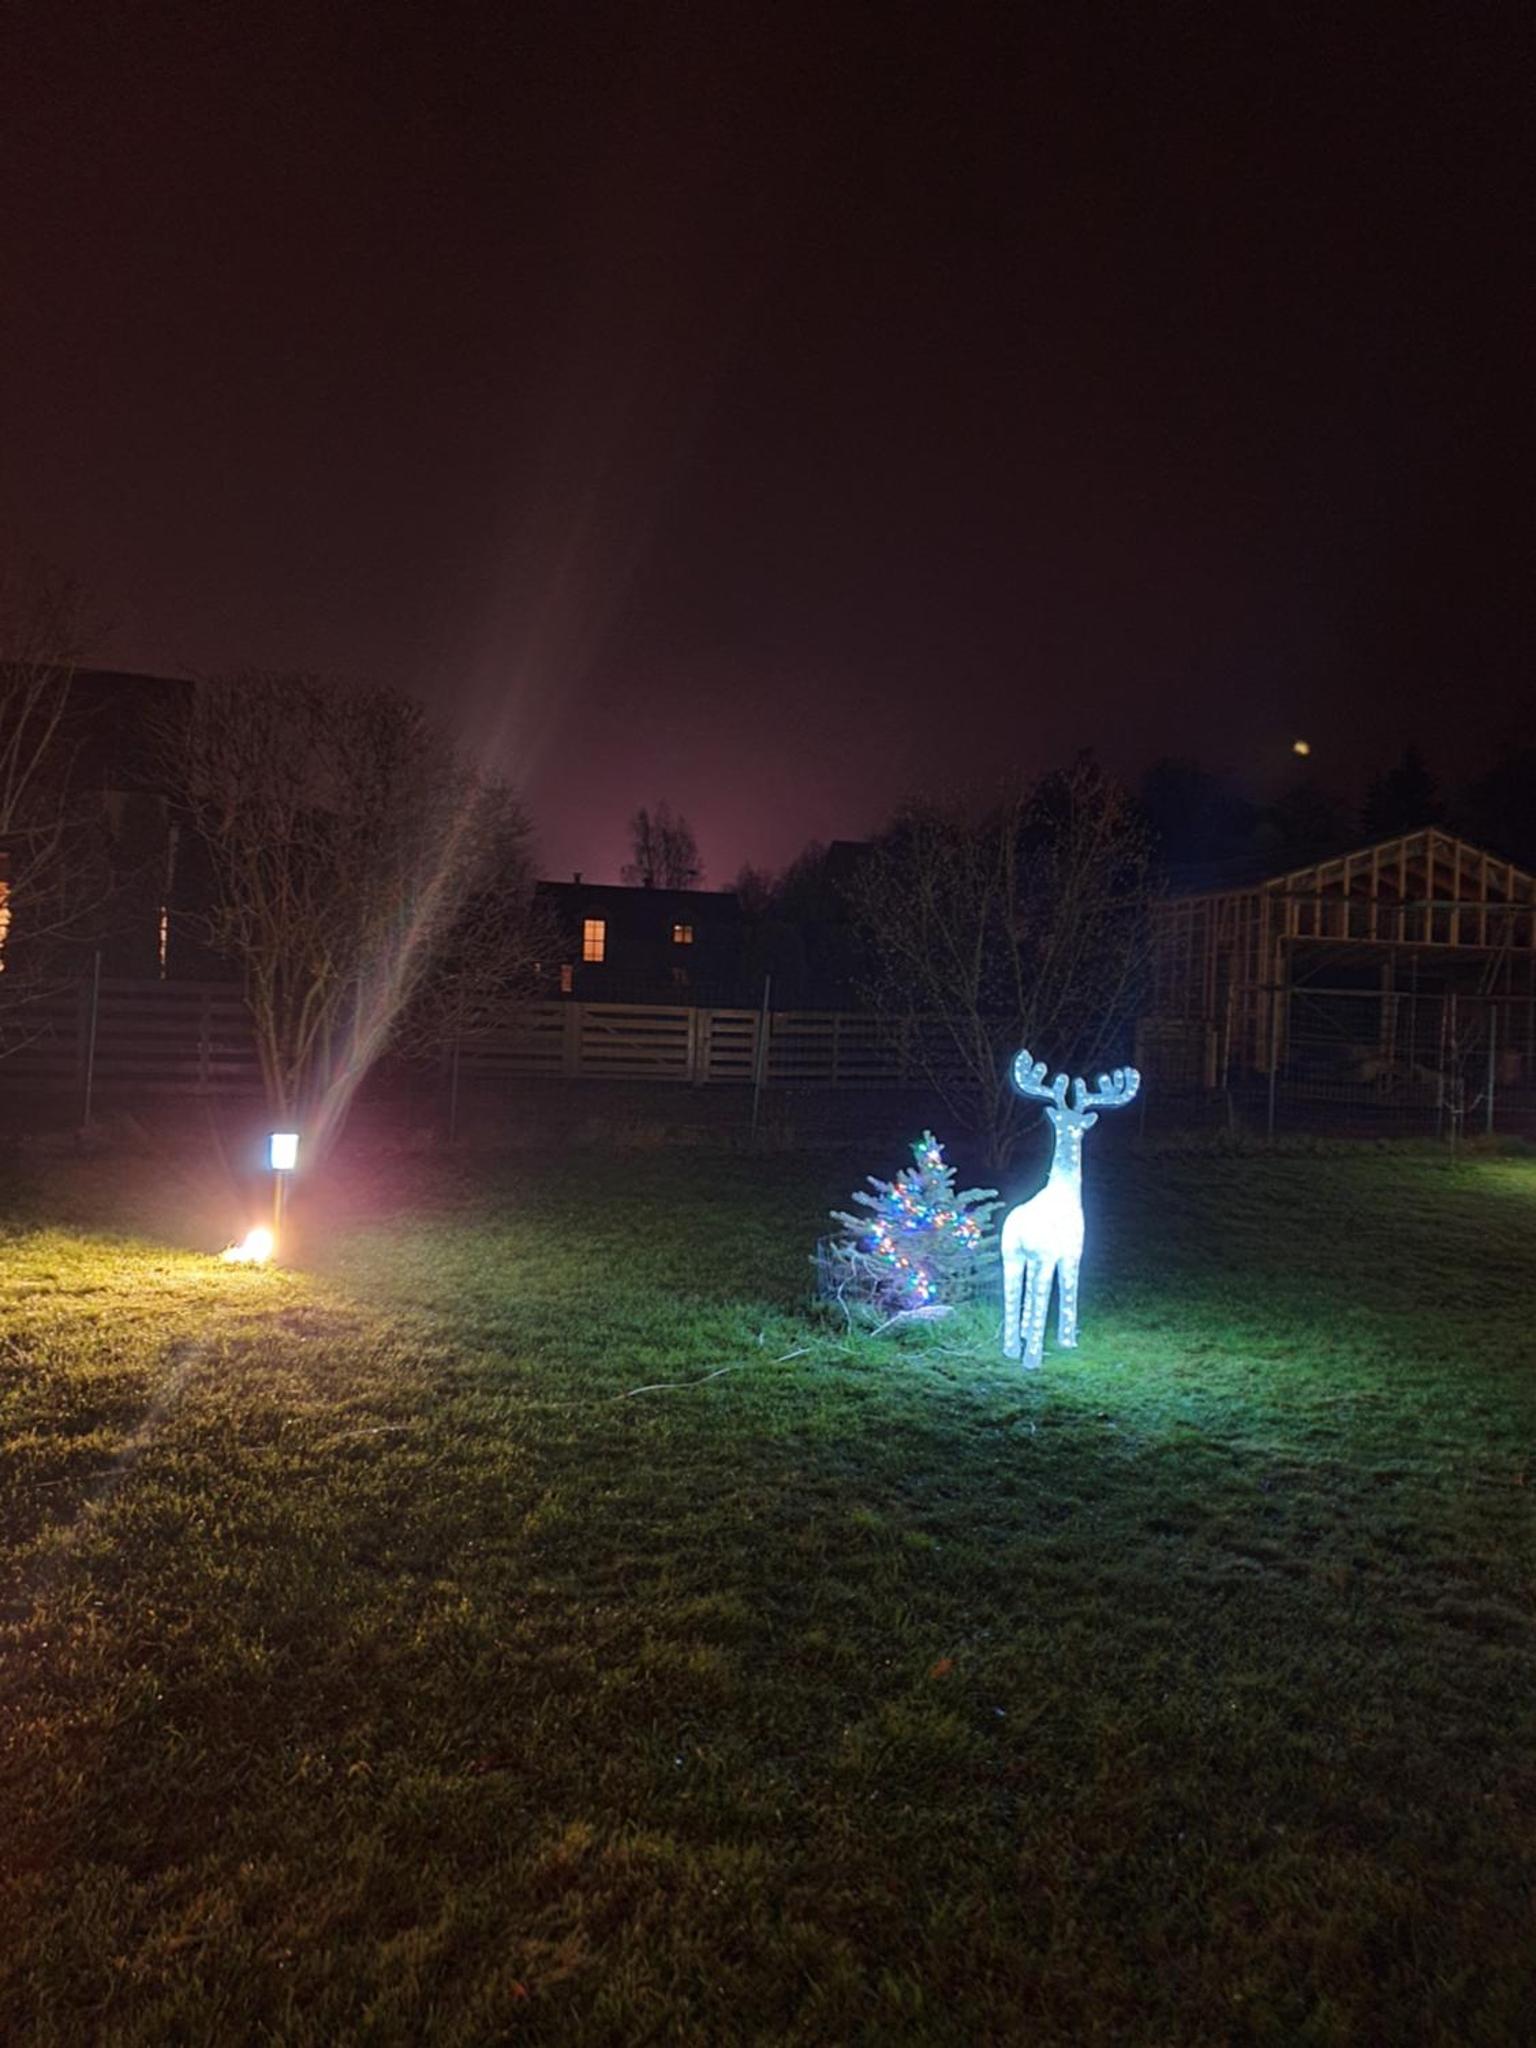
<point>1013,1294</point>
<point>1066,1313</point>
<point>1036,1301</point>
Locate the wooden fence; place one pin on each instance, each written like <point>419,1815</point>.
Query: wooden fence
<point>111,1038</point>
<point>646,1042</point>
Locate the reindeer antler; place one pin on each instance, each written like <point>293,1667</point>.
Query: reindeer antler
<point>1113,1092</point>
<point>1029,1079</point>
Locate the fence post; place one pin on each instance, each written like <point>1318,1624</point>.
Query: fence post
<point>697,1040</point>
<point>1458,1077</point>
<point>1274,1061</point>
<point>204,1040</point>
<point>1493,1053</point>
<point>90,1040</point>
<point>760,1061</point>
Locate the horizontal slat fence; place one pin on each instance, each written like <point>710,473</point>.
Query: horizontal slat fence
<point>1462,1066</point>
<point>649,1042</point>
<point>190,1037</point>
<point>195,1037</point>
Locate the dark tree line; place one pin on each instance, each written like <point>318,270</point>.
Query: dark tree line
<point>974,929</point>
<point>1200,819</point>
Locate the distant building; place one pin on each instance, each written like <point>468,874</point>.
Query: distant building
<point>138,883</point>
<point>622,945</point>
<point>1385,968</point>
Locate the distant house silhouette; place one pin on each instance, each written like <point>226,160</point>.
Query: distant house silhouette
<point>148,884</point>
<point>620,945</point>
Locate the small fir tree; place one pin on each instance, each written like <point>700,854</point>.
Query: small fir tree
<point>921,1243</point>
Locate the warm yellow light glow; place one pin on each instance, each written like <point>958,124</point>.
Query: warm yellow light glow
<point>1301,746</point>
<point>254,1249</point>
<point>594,938</point>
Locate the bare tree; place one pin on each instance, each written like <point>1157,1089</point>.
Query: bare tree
<point>494,950</point>
<point>666,854</point>
<point>53,870</point>
<point>753,889</point>
<point>1025,928</point>
<point>369,887</point>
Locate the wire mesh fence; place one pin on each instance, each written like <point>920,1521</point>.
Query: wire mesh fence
<point>1338,1056</point>
<point>1432,1062</point>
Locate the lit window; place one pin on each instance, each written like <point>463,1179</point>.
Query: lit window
<point>594,937</point>
<point>567,978</point>
<point>682,935</point>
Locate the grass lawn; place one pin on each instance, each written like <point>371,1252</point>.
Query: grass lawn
<point>377,1668</point>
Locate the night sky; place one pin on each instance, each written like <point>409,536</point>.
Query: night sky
<point>783,410</point>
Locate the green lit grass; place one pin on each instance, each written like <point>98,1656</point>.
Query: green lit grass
<point>375,1668</point>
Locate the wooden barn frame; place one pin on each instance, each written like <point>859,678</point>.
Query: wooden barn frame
<point>1424,917</point>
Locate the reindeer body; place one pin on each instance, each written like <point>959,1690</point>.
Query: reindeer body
<point>1042,1238</point>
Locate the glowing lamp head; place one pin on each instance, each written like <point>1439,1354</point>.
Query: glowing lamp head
<point>1302,747</point>
<point>283,1151</point>
<point>254,1249</point>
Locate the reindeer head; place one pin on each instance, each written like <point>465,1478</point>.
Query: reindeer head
<point>1070,1119</point>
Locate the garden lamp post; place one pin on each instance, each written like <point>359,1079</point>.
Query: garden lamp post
<point>282,1157</point>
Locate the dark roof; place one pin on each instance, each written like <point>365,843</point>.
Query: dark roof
<point>719,903</point>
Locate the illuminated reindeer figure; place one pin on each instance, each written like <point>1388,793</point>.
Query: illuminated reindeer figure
<point>1044,1236</point>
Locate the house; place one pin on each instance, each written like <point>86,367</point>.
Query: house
<point>1386,967</point>
<point>122,885</point>
<point>623,945</point>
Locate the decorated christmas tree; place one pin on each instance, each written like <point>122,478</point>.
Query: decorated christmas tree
<point>919,1247</point>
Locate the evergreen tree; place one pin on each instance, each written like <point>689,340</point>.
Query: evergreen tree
<point>1196,818</point>
<point>1402,799</point>
<point>1305,823</point>
<point>920,1245</point>
<point>1498,810</point>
